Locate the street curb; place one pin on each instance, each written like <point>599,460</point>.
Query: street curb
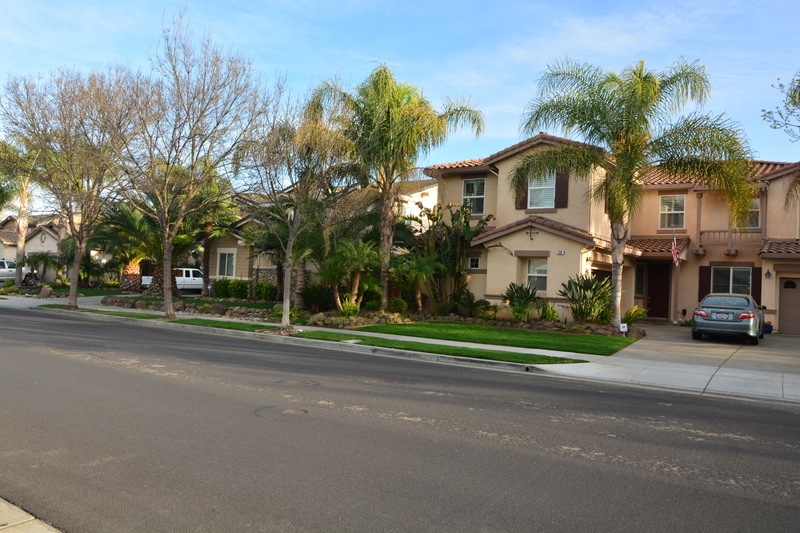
<point>340,346</point>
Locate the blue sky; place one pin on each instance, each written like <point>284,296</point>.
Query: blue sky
<point>489,52</point>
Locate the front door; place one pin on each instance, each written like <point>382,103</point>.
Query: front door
<point>789,307</point>
<point>658,289</point>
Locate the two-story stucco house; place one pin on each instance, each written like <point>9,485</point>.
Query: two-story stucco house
<point>559,232</point>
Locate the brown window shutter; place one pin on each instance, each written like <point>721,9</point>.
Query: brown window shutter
<point>755,284</point>
<point>704,282</point>
<point>562,190</point>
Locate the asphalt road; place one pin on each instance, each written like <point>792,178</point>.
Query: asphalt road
<point>112,427</point>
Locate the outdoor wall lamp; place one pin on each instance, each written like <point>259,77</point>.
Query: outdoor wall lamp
<point>767,274</point>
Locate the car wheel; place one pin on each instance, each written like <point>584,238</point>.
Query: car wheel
<point>754,340</point>
<point>697,335</point>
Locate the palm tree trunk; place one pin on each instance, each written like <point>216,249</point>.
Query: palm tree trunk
<point>300,282</point>
<point>131,277</point>
<point>169,305</point>
<point>386,231</point>
<point>619,237</point>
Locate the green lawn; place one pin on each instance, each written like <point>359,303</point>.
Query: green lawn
<point>492,355</point>
<point>590,344</point>
<point>83,292</point>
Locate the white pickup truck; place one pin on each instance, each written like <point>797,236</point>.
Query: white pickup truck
<point>187,279</point>
<point>8,271</point>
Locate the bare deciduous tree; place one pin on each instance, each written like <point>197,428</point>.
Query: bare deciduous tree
<point>183,123</point>
<point>298,166</point>
<point>69,119</point>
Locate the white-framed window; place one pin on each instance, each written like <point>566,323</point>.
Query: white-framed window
<point>537,273</point>
<point>474,263</point>
<point>754,216</point>
<point>673,211</point>
<point>542,191</point>
<point>474,194</point>
<point>731,279</point>
<point>227,263</point>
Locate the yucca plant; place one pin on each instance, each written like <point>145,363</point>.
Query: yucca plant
<point>589,297</point>
<point>521,298</point>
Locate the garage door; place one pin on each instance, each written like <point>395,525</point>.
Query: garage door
<point>790,306</point>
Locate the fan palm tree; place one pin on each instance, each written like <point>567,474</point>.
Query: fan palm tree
<point>392,125</point>
<point>131,237</point>
<point>628,119</point>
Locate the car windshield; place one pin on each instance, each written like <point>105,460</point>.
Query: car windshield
<point>726,301</point>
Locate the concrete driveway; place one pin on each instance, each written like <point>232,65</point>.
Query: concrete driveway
<point>674,344</point>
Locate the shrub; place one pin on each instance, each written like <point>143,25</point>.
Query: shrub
<point>204,308</point>
<point>468,305</point>
<point>9,283</point>
<point>589,298</point>
<point>490,313</point>
<point>443,308</point>
<point>317,297</point>
<point>349,308</point>
<point>371,305</point>
<point>222,288</point>
<point>397,305</point>
<point>264,290</point>
<point>276,314</point>
<point>520,298</point>
<point>547,312</point>
<point>238,289</point>
<point>634,314</point>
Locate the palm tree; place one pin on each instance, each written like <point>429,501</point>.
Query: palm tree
<point>392,125</point>
<point>131,237</point>
<point>417,269</point>
<point>626,118</point>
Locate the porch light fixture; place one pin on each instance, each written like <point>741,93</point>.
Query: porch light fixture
<point>767,274</point>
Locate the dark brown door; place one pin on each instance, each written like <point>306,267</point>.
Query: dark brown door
<point>789,306</point>
<point>658,288</point>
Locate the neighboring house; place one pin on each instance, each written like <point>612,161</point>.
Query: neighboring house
<point>558,232</point>
<point>232,257</point>
<point>45,233</point>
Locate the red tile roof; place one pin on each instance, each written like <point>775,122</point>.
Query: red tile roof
<point>657,177</point>
<point>534,220</point>
<point>781,247</point>
<point>658,244</point>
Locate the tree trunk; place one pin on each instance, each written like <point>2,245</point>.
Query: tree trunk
<point>619,236</point>
<point>22,232</point>
<point>287,285</point>
<point>80,249</point>
<point>418,296</point>
<point>206,259</point>
<point>300,282</point>
<point>169,305</point>
<point>131,277</point>
<point>386,234</point>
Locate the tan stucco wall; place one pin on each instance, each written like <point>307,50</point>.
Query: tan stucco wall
<point>243,262</point>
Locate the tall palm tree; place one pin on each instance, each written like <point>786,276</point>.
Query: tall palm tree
<point>392,125</point>
<point>628,119</point>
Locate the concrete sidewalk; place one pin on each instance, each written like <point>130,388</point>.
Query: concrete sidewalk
<point>667,358</point>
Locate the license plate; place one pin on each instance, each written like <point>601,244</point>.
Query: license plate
<point>722,316</point>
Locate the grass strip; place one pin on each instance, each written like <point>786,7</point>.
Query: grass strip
<point>143,316</point>
<point>545,340</point>
<point>441,349</point>
<point>224,324</point>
